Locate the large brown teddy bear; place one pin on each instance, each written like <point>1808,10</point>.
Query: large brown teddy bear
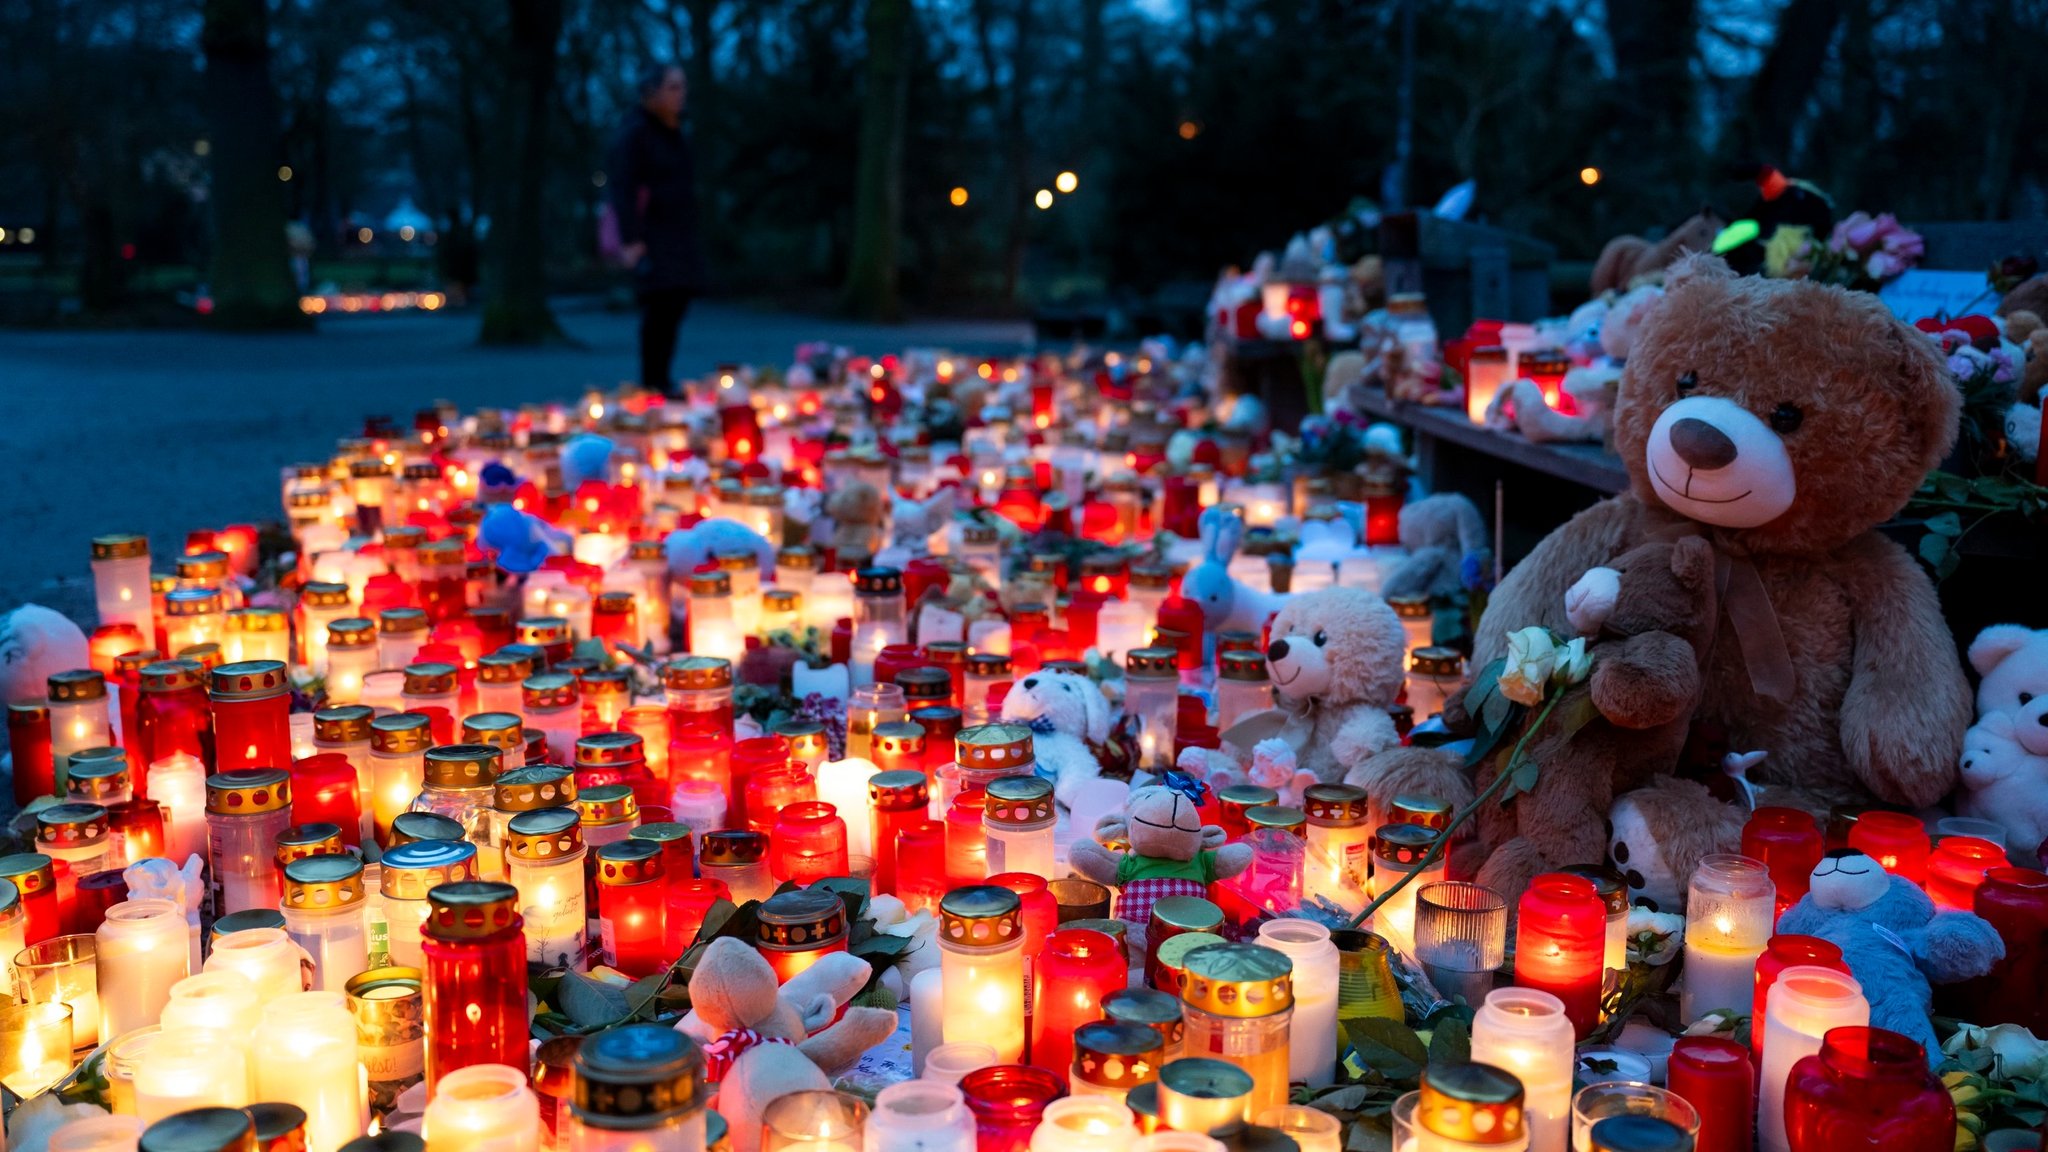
<point>1783,420</point>
<point>1651,615</point>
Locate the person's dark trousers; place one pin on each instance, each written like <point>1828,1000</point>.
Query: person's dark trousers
<point>661,317</point>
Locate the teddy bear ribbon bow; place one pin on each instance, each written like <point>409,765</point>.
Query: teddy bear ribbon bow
<point>728,1047</point>
<point>1747,605</point>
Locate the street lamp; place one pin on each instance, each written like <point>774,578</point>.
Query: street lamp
<point>1066,182</point>
<point>958,197</point>
<point>1044,198</point>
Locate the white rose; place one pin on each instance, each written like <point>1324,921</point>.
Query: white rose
<point>1531,658</point>
<point>2016,1053</point>
<point>1654,937</point>
<point>1573,662</point>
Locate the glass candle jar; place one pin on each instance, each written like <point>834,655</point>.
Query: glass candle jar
<point>544,856</point>
<point>321,603</point>
<point>1396,850</point>
<point>1462,1108</point>
<point>739,859</point>
<point>1955,869</point>
<point>1152,699</point>
<point>475,978</point>
<point>172,717</point>
<point>264,958</point>
<point>798,927</point>
<point>498,679</point>
<point>325,912</point>
<point>28,740</point>
<point>1896,840</point>
<point>351,652</point>
<point>921,865</point>
<point>457,781</point>
<point>306,1056</point>
<point>1561,943</point>
<point>1613,892</point>
<point>631,907</point>
<point>1789,844</point>
<point>245,811</point>
<point>34,876</point>
<point>1730,911</point>
<point>1237,1001</point>
<point>120,581</point>
<point>814,1120</point>
<point>1071,974</point>
<point>713,628</point>
<point>391,1032</point>
<point>1803,1006</point>
<point>966,849</point>
<point>872,706</point>
<point>1171,917</point>
<point>1714,1074</point>
<point>484,1108</point>
<point>1312,1032</point>
<point>638,1087</point>
<point>919,1116</point>
<point>1866,1088</point>
<point>2015,901</point>
<point>983,671</point>
<point>220,1004</point>
<point>183,1079</point>
<point>345,731</point>
<point>901,746</point>
<point>1526,1032</point>
<point>877,619</point>
<point>1242,687</point>
<point>1433,674</point>
<point>407,874</point>
<point>1787,950</point>
<point>251,704</point>
<point>258,634</point>
<point>62,970</point>
<point>1084,1124</point>
<point>140,951</point>
<point>100,776</point>
<point>1339,844</point>
<point>1017,825</point>
<point>400,634</point>
<point>1235,800</point>
<point>193,616</point>
<point>843,784</point>
<point>398,750</point>
<point>1622,1104</point>
<point>989,752</point>
<point>981,962</point>
<point>79,717</point>
<point>808,843</point>
<point>13,931</point>
<point>606,693</point>
<point>897,800</point>
<point>1159,1011</point>
<point>430,684</point>
<point>1199,1094</point>
<point>554,705</point>
<point>74,837</point>
<point>1008,1101</point>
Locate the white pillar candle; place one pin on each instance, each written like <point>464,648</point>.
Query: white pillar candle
<point>140,952</point>
<point>1730,912</point>
<point>1312,1034</point>
<point>185,1070</point>
<point>919,1116</point>
<point>1799,1010</point>
<point>844,785</point>
<point>1526,1032</point>
<point>265,957</point>
<point>926,1009</point>
<point>981,962</point>
<point>1084,1124</point>
<point>220,1004</point>
<point>306,1055</point>
<point>483,1108</point>
<point>178,784</point>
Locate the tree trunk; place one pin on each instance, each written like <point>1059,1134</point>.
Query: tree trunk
<point>251,281</point>
<point>871,275</point>
<point>517,310</point>
<point>1783,83</point>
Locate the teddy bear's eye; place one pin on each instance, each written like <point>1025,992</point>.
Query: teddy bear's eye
<point>1321,637</point>
<point>1787,418</point>
<point>2026,698</point>
<point>1687,383</point>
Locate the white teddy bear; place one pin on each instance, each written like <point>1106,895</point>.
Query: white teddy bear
<point>1068,716</point>
<point>2005,754</point>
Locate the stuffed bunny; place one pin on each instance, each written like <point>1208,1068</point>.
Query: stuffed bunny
<point>913,522</point>
<point>1228,604</point>
<point>1171,853</point>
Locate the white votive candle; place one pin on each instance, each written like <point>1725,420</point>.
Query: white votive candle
<point>1526,1032</point>
<point>141,950</point>
<point>306,1055</point>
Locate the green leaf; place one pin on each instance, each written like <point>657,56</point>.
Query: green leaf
<point>1945,524</point>
<point>1934,550</point>
<point>1450,1042</point>
<point>881,944</point>
<point>1526,775</point>
<point>1388,1047</point>
<point>591,1003</point>
<point>1373,1135</point>
<point>1575,711</point>
<point>1949,486</point>
<point>1494,714</point>
<point>644,992</point>
<point>1344,1098</point>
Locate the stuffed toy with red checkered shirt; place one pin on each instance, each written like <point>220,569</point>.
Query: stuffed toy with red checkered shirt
<point>1157,848</point>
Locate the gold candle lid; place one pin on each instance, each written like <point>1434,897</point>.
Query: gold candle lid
<point>993,747</point>
<point>717,582</point>
<point>401,733</point>
<point>925,682</point>
<point>897,742</point>
<point>636,1074</point>
<point>735,559</point>
<point>401,620</point>
<point>981,916</point>
<point>1277,816</point>
<point>1169,971</point>
<point>978,534</point>
<point>248,620</point>
<point>201,1130</point>
<point>329,881</point>
<point>443,554</point>
<point>534,787</point>
<point>1427,811</point>
<point>501,730</point>
<point>351,632</point>
<point>1439,662</point>
<point>346,724</point>
<point>610,749</point>
<point>1150,1007</point>
<point>471,909</point>
<point>463,765</point>
<point>410,871</point>
<point>35,711</point>
<point>947,653</point>
<point>898,790</point>
<point>627,862</point>
<point>504,667</point>
<point>541,631</point>
<point>249,680</point>
<point>302,840</point>
<point>1402,844</point>
<point>1476,1103</point>
<point>878,582</point>
<point>697,673</point>
<point>248,790</point>
<point>98,774</point>
<point>429,678</point>
<point>1194,1078</point>
<point>543,834</point>
<point>203,567</point>
<point>1411,607</point>
<point>606,804</point>
<point>800,920</point>
<point>605,682</point>
<point>1246,796</point>
<point>72,825</point>
<point>171,675</point>
<point>77,684</point>
<point>192,601</point>
<point>1187,914</point>
<point>650,549</point>
<point>1334,805</point>
<point>414,827</point>
<point>1241,980</point>
<point>1020,802</point>
<point>207,656</point>
<point>797,558</point>
<point>988,665</point>
<point>1244,665</point>
<point>313,498</point>
<point>613,603</point>
<point>31,872</point>
<point>1120,1056</point>
<point>549,690</point>
<point>732,848</point>
<point>1152,662</point>
<point>320,594</point>
<point>119,546</point>
<point>128,666</point>
<point>784,600</point>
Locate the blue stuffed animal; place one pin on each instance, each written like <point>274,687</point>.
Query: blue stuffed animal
<point>1896,944</point>
<point>1228,604</point>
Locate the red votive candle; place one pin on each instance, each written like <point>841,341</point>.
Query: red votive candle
<point>897,800</point>
<point>1713,1074</point>
<point>251,701</point>
<point>1075,970</point>
<point>632,907</point>
<point>651,724</point>
<point>1008,1100</point>
<point>941,726</point>
<point>1789,844</point>
<point>110,642</point>
<point>34,876</point>
<point>966,844</point>
<point>769,792</point>
<point>171,716</point>
<point>689,902</point>
<point>324,791</point>
<point>808,843</point>
<point>97,893</point>
<point>1896,840</point>
<point>1955,869</point>
<point>1560,944</point>
<point>921,865</point>
<point>474,990</point>
<point>757,754</point>
<point>2015,901</point>
<point>35,762</point>
<point>139,826</point>
<point>1782,952</point>
<point>1866,1088</point>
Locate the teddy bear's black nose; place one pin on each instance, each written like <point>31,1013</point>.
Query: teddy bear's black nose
<point>1277,650</point>
<point>1702,445</point>
<point>1031,682</point>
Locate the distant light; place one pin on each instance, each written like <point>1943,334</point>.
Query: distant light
<point>1066,182</point>
<point>201,147</point>
<point>284,172</point>
<point>1044,198</point>
<point>958,196</point>
<point>28,236</point>
<point>1189,129</point>
<point>597,179</point>
<point>363,235</point>
<point>405,232</point>
<point>1300,329</point>
<point>1589,176</point>
<point>3,235</point>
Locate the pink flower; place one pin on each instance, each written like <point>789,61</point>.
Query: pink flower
<point>1856,233</point>
<point>1962,366</point>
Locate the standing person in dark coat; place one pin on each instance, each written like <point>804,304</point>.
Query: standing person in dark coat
<point>654,200</point>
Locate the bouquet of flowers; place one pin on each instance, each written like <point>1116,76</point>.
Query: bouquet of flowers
<point>1863,252</point>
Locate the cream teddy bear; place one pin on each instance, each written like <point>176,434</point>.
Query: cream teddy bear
<point>1069,718</point>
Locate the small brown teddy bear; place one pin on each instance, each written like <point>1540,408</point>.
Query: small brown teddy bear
<point>2026,330</point>
<point>1625,258</point>
<point>1171,852</point>
<point>855,511</point>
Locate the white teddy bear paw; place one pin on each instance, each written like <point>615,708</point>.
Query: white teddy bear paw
<point>1588,602</point>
